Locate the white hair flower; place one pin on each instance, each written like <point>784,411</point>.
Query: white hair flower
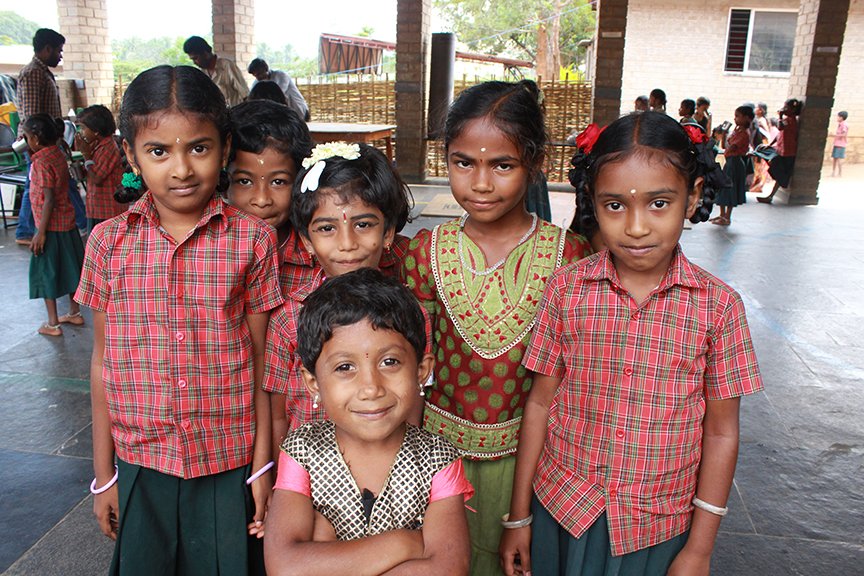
<point>332,150</point>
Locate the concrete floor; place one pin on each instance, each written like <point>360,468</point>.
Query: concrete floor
<point>798,501</point>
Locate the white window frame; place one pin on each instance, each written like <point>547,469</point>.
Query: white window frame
<point>746,71</point>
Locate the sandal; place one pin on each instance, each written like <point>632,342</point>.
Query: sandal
<point>49,330</point>
<point>721,221</point>
<point>764,199</point>
<point>75,319</point>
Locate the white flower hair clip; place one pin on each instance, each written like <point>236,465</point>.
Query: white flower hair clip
<point>317,161</point>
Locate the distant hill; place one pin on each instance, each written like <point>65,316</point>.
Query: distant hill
<point>16,29</point>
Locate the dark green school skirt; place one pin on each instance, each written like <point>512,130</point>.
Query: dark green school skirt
<point>56,271</point>
<point>171,526</point>
<point>554,552</point>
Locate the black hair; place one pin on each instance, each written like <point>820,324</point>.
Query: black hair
<point>638,134</point>
<point>184,89</point>
<point>689,106</point>
<point>641,99</point>
<point>268,90</point>
<point>659,94</point>
<point>47,37</point>
<point>196,45</point>
<point>46,129</point>
<point>795,105</point>
<point>763,107</point>
<point>371,178</point>
<point>99,119</point>
<point>260,124</point>
<point>514,108</point>
<point>257,64</point>
<point>702,100</point>
<point>843,114</point>
<point>747,111</point>
<point>344,300</point>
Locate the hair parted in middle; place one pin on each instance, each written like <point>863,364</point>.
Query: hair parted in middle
<point>371,178</point>
<point>645,133</point>
<point>344,300</point>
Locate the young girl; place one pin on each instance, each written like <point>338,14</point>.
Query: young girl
<point>786,144</point>
<point>354,492</point>
<point>737,147</point>
<point>58,252</point>
<point>102,162</point>
<point>180,286</point>
<point>348,205</point>
<point>760,138</point>
<point>640,359</point>
<point>480,278</point>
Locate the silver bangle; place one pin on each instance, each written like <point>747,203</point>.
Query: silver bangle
<point>506,523</point>
<point>716,510</point>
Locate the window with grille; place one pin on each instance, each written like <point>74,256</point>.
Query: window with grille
<point>760,41</point>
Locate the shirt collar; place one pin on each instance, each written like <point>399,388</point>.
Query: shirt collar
<point>292,251</point>
<point>680,272</point>
<point>146,208</point>
<point>40,64</point>
<point>301,293</point>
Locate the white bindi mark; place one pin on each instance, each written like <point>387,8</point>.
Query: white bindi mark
<point>261,161</point>
<point>178,140</point>
<point>633,191</point>
<point>482,149</point>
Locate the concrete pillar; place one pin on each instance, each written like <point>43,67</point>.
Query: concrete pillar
<point>815,59</point>
<point>234,30</point>
<point>609,63</point>
<point>87,54</point>
<point>413,50</point>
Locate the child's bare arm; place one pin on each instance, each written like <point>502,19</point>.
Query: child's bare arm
<point>289,549</point>
<point>262,488</point>
<point>105,505</point>
<point>279,421</point>
<point>719,456</point>
<point>532,436</point>
<point>446,545</point>
<point>37,245</point>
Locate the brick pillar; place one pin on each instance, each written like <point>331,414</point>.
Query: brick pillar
<point>413,50</point>
<point>609,63</point>
<point>234,31</point>
<point>815,59</point>
<point>87,52</point>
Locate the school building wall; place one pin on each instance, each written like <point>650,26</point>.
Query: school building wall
<point>681,48</point>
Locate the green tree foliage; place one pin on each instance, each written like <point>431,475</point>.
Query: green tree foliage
<point>17,28</point>
<point>512,28</point>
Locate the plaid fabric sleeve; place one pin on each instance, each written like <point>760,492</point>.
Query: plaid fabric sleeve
<point>278,355</point>
<point>28,98</point>
<point>732,369</point>
<point>543,354</point>
<point>105,163</point>
<point>263,293</point>
<point>93,289</point>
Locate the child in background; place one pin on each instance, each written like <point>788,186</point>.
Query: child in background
<point>718,140</point>
<point>365,492</point>
<point>348,205</point>
<point>686,111</point>
<point>102,162</point>
<point>57,250</point>
<point>786,144</point>
<point>702,116</point>
<point>480,278</point>
<point>737,147</point>
<point>640,104</point>
<point>640,359</point>
<point>760,138</point>
<point>838,153</point>
<point>180,285</point>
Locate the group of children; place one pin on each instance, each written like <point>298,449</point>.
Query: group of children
<point>277,381</point>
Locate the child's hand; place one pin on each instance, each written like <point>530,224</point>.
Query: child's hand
<point>37,244</point>
<point>106,509</point>
<point>515,551</point>
<point>82,145</point>
<point>262,491</point>
<point>689,563</point>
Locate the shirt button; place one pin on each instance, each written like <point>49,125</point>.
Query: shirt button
<point>636,316</point>
<point>180,293</point>
<point>612,493</point>
<point>179,336</point>
<point>186,424</point>
<point>618,433</point>
<point>627,371</point>
<point>181,383</point>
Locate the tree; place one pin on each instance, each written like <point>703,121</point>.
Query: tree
<point>17,28</point>
<point>546,32</point>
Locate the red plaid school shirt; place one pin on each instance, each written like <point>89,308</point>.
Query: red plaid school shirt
<point>103,178</point>
<point>50,170</point>
<point>281,363</point>
<point>37,92</point>
<point>625,426</point>
<point>178,366</point>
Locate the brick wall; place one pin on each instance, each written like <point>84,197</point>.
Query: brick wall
<point>610,38</point>
<point>413,52</point>
<point>87,53</point>
<point>234,31</point>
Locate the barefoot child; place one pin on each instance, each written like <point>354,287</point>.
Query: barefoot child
<point>180,286</point>
<point>480,278</point>
<point>57,250</point>
<point>102,162</point>
<point>838,152</point>
<point>630,435</point>
<point>786,144</point>
<point>348,205</point>
<point>737,147</point>
<point>364,492</point>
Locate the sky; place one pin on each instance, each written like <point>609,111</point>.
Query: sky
<point>275,23</point>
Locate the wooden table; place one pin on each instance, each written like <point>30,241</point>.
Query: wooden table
<point>333,131</point>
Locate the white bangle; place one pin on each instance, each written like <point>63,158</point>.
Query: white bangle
<point>94,490</point>
<point>506,523</point>
<point>259,473</point>
<point>716,510</point>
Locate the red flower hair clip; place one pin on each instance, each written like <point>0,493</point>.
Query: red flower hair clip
<point>696,134</point>
<point>587,138</point>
